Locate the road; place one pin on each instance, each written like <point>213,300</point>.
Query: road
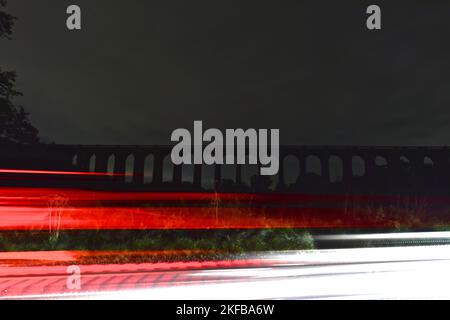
<point>420,272</point>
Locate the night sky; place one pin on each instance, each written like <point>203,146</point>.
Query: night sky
<point>140,69</point>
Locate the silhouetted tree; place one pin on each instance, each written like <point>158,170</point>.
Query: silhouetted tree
<point>14,124</point>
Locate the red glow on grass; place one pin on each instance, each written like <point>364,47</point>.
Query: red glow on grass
<point>48,258</point>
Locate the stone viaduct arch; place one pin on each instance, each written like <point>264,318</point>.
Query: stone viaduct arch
<point>148,168</point>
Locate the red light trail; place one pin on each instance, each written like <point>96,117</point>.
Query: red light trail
<point>70,209</point>
<point>64,173</point>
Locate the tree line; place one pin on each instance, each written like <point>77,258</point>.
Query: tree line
<point>15,126</point>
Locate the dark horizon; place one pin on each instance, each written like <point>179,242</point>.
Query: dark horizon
<point>311,69</point>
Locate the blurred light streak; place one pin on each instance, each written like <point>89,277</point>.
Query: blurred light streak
<point>63,173</point>
<point>369,273</point>
<point>72,209</point>
<point>388,236</point>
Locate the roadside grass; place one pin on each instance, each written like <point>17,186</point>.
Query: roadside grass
<point>159,245</point>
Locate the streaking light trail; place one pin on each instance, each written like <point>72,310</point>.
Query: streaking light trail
<point>63,173</point>
<point>71,209</point>
<point>375,273</point>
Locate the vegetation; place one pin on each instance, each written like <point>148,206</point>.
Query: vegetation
<point>189,244</point>
<point>15,126</point>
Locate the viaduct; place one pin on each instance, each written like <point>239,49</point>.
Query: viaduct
<point>317,169</point>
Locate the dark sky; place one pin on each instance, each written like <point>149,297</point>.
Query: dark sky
<point>140,69</point>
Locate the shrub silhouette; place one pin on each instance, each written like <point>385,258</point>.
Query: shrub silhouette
<point>15,126</point>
